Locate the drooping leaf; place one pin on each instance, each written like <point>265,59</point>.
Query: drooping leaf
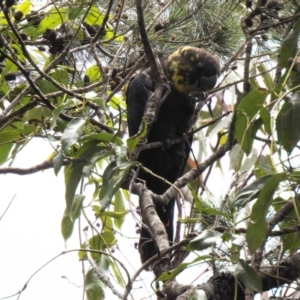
<point>264,166</point>
<point>37,114</point>
<point>113,178</point>
<point>24,7</point>
<point>287,125</point>
<point>58,161</point>
<point>93,74</point>
<point>166,276</point>
<point>236,156</point>
<point>290,45</point>
<point>265,116</point>
<point>4,152</point>
<point>295,176</point>
<point>67,223</point>
<point>53,18</point>
<point>257,228</point>
<point>61,76</point>
<point>119,209</point>
<point>74,171</point>
<point>94,287</point>
<point>98,242</point>
<point>266,76</point>
<point>94,17</point>
<point>204,240</point>
<point>139,137</point>
<point>72,133</point>
<point>104,137</point>
<point>56,112</point>
<point>75,12</point>
<point>248,276</point>
<point>46,87</point>
<point>246,111</point>
<point>249,192</point>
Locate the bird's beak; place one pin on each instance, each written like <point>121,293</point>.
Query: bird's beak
<point>208,83</point>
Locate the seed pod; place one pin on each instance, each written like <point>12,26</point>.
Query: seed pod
<point>118,79</point>
<point>248,22</point>
<point>41,48</point>
<point>23,36</point>
<point>10,77</point>
<point>249,3</point>
<point>173,37</point>
<point>18,15</point>
<point>106,69</point>
<point>114,73</point>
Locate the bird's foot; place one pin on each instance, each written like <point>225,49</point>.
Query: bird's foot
<point>168,143</point>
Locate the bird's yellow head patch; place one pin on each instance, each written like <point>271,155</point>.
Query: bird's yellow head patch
<point>190,68</point>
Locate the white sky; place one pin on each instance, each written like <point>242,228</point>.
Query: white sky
<point>30,236</point>
<point>30,233</point>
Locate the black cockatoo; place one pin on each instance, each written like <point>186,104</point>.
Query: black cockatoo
<point>189,71</point>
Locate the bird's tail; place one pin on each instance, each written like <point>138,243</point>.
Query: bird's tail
<point>146,245</point>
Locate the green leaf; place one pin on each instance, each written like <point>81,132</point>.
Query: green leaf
<point>204,240</point>
<point>67,223</point>
<point>287,125</point>
<point>119,209</point>
<point>74,171</point>
<point>138,138</point>
<point>93,73</point>
<point>61,76</point>
<point>265,116</point>
<point>103,137</point>
<point>248,193</point>
<point>166,276</point>
<point>121,156</point>
<point>53,18</point>
<point>237,242</point>
<point>94,288</point>
<point>256,234</point>
<point>265,166</point>
<point>72,133</point>
<point>8,136</point>
<point>56,112</point>
<point>7,140</point>
<point>24,7</point>
<point>295,176</point>
<point>290,45</point>
<point>9,67</point>
<point>37,114</point>
<point>58,161</point>
<point>98,242</point>
<point>248,276</point>
<point>4,152</point>
<point>94,17</point>
<point>257,228</point>
<point>247,109</point>
<point>236,156</point>
<point>113,178</point>
<point>46,87</point>
<point>266,75</point>
<point>261,206</point>
<point>115,215</point>
<point>75,12</point>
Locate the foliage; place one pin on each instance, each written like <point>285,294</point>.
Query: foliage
<point>64,70</point>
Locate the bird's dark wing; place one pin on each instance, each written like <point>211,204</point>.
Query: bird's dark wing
<point>136,98</point>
